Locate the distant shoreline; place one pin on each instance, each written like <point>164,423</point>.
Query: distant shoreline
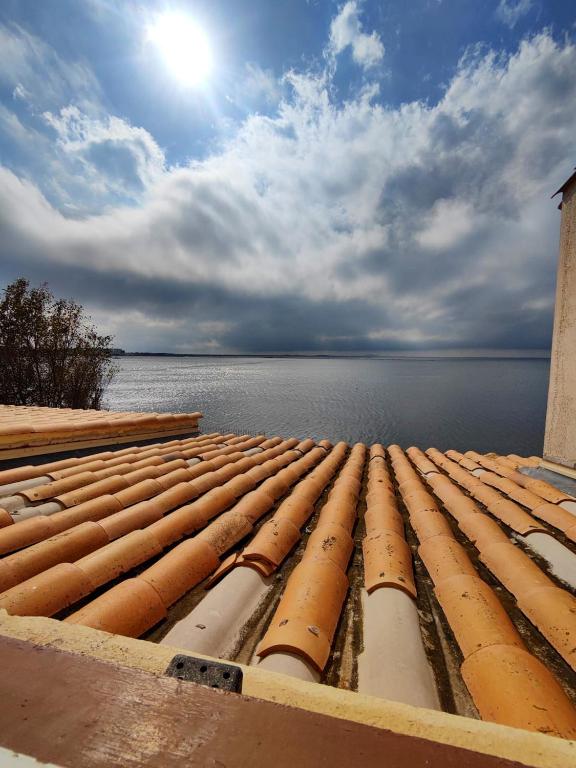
<point>488,355</point>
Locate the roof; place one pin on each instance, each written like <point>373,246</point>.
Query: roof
<point>29,430</point>
<point>439,579</point>
<point>566,184</point>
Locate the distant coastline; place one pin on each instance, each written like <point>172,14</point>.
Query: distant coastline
<point>494,354</point>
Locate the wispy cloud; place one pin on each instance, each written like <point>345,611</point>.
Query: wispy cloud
<point>346,31</point>
<point>510,12</point>
<point>39,75</point>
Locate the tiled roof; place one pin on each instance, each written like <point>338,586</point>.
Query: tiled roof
<point>155,541</point>
<point>32,426</point>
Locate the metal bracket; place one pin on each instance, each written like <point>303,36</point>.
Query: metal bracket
<point>213,674</point>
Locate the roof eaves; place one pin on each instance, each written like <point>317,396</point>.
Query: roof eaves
<point>566,184</point>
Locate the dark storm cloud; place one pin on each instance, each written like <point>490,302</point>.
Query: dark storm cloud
<point>256,323</point>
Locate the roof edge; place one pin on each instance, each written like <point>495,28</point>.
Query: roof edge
<point>566,183</point>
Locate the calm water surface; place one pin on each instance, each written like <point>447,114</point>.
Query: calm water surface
<point>481,404</point>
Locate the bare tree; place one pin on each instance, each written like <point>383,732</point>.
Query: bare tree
<point>50,353</point>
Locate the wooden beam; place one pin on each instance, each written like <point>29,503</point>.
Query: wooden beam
<point>527,748</point>
<point>75,710</point>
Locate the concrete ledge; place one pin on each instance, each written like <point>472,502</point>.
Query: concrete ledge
<point>528,749</point>
<point>554,465</point>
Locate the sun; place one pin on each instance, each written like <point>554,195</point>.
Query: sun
<point>184,46</point>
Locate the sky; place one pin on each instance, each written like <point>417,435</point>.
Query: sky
<point>290,176</point>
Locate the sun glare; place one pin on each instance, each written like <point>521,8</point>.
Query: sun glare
<point>184,47</point>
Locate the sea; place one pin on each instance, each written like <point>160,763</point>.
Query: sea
<point>465,402</point>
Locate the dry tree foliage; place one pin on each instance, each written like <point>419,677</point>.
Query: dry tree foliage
<point>50,353</point>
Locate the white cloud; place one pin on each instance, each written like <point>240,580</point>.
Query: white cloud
<point>318,223</point>
<point>98,160</point>
<point>450,222</point>
<point>510,12</point>
<point>124,157</point>
<point>346,31</point>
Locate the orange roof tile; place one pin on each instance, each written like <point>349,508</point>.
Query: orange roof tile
<point>129,512</point>
<point>475,614</point>
<point>481,624</point>
<point>510,686</point>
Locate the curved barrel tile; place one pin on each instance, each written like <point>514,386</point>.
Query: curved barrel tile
<point>278,536</point>
<point>226,531</point>
<point>189,562</point>
<point>273,541</point>
<point>545,490</point>
<point>556,516</point>
<point>140,491</point>
<point>25,533</point>
<point>421,461</point>
<point>330,541</point>
<point>511,687</point>
<point>309,609</point>
<point>428,523</point>
<point>482,627</point>
<point>444,557</point>
<point>475,614</point>
<point>297,509</point>
<point>181,569</point>
<point>127,520</point>
<point>512,567</point>
<point>119,557</point>
<point>514,517</point>
<point>64,547</point>
<point>388,562</point>
<point>553,611</point>
<point>308,613</point>
<point>48,592</point>
<point>6,518</point>
<point>57,487</point>
<point>129,609</point>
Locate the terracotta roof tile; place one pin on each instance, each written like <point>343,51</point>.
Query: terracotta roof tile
<point>556,516</point>
<point>475,614</point>
<point>421,461</point>
<point>505,510</point>
<point>510,686</point>
<point>553,611</point>
<point>273,541</point>
<point>444,558</point>
<point>480,624</point>
<point>48,592</point>
<point>70,545</point>
<point>227,529</point>
<point>118,557</point>
<point>129,610</point>
<point>43,426</point>
<point>388,562</point>
<point>309,609</point>
<point>517,572</point>
<point>523,578</point>
<point>163,515</point>
<point>276,538</point>
<point>179,570</point>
